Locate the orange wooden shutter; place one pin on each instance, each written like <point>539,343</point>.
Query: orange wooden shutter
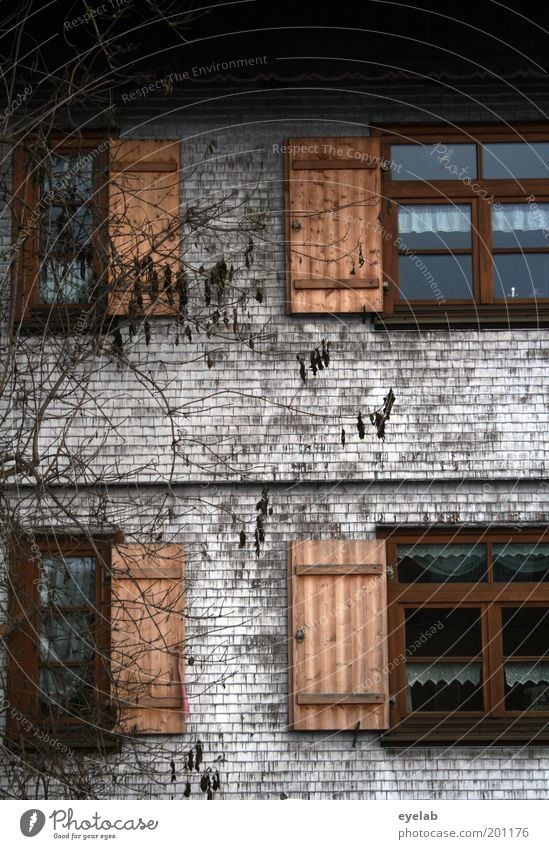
<point>334,237</point>
<point>338,635</point>
<point>144,212</point>
<point>147,614</point>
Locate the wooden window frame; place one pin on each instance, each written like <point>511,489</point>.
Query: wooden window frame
<point>27,197</point>
<point>493,725</point>
<point>23,642</point>
<point>484,308</point>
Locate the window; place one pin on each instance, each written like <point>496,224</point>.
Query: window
<point>430,225</point>
<point>59,672</point>
<point>66,257</point>
<point>466,225</point>
<point>430,636</point>
<point>95,639</point>
<point>469,625</point>
<point>95,229</point>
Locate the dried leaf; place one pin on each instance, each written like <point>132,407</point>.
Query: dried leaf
<point>302,370</point>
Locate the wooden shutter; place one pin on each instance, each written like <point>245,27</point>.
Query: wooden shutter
<point>338,635</point>
<point>334,237</point>
<point>22,631</point>
<point>147,617</point>
<point>144,211</point>
<point>25,232</point>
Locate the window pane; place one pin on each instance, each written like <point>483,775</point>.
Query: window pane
<point>526,686</point>
<point>520,225</point>
<point>441,563</point>
<point>69,177</point>
<point>66,268</point>
<point>66,273</point>
<point>444,686</point>
<point>68,581</point>
<point>502,160</point>
<point>434,226</point>
<point>521,561</point>
<point>525,631</point>
<point>67,689</point>
<point>433,161</point>
<point>521,276</point>
<point>66,281</point>
<point>67,637</point>
<point>443,631</point>
<point>424,277</point>
<point>67,642</point>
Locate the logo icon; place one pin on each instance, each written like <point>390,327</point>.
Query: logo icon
<point>32,822</point>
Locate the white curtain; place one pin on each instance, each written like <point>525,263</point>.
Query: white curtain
<point>528,558</point>
<point>445,561</point>
<point>524,673</point>
<point>446,673</point>
<point>520,216</point>
<point>437,218</point>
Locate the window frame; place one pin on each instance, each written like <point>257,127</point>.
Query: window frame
<point>494,722</point>
<point>24,639</point>
<point>484,306</point>
<point>27,199</point>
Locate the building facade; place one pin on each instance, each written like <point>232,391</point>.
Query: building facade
<point>364,599</point>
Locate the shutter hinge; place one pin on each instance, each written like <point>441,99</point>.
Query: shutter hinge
<point>392,701</point>
<point>390,573</point>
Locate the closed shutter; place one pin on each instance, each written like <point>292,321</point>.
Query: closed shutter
<point>333,231</point>
<point>338,635</point>
<point>144,212</point>
<point>147,620</point>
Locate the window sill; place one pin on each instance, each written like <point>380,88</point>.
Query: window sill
<point>64,320</point>
<point>76,738</point>
<point>473,317</point>
<point>454,731</point>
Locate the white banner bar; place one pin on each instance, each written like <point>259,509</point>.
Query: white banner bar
<point>267,825</point>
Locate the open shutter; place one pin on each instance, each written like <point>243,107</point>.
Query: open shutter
<point>147,619</point>
<point>338,635</point>
<point>334,236</point>
<point>25,232</point>
<point>144,212</point>
<point>21,635</point>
